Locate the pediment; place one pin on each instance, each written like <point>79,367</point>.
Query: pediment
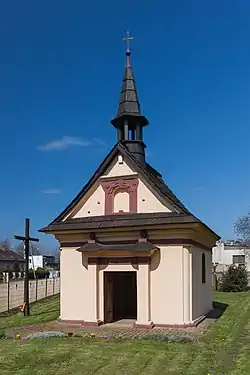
<point>120,169</point>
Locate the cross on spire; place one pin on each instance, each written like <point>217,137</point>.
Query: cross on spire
<point>127,39</point>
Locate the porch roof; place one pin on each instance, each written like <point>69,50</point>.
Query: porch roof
<point>90,247</point>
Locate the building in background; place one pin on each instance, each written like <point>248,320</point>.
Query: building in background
<point>43,261</point>
<point>226,253</point>
<point>10,260</point>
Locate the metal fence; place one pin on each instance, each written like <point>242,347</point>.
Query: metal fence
<point>12,292</point>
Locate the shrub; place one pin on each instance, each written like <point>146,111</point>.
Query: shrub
<point>22,274</point>
<point>41,273</point>
<point>31,274</point>
<point>10,275</point>
<point>235,279</point>
<point>17,275</point>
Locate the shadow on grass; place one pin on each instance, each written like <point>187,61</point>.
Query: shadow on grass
<point>218,310</point>
<point>39,302</point>
<point>44,312</point>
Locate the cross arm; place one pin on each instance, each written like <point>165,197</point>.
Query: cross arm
<point>22,238</point>
<point>34,239</point>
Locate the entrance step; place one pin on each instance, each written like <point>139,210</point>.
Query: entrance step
<point>123,323</point>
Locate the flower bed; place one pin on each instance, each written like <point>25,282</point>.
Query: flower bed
<point>43,335</point>
<point>157,336</point>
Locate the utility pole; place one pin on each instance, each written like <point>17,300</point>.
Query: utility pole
<point>26,239</point>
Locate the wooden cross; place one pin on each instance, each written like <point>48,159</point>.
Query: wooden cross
<point>26,239</point>
<point>128,38</point>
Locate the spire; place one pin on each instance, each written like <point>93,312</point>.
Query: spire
<point>129,106</point>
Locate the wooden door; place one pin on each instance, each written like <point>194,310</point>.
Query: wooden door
<point>108,297</point>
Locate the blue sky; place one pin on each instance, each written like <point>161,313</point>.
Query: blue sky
<point>61,66</point>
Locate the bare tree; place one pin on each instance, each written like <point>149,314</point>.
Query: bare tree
<point>19,249</point>
<point>5,245</point>
<point>34,249</point>
<point>242,228</point>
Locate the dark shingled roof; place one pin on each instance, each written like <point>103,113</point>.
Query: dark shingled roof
<point>120,220</point>
<point>90,247</point>
<point>129,106</point>
<point>10,256</point>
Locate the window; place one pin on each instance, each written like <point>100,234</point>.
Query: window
<point>238,259</point>
<point>203,268</point>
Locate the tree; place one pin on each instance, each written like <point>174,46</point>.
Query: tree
<point>34,250</point>
<point>242,228</point>
<point>5,245</point>
<point>234,279</point>
<point>56,254</point>
<point>19,249</point>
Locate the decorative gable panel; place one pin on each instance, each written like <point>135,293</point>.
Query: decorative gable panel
<point>118,168</point>
<point>149,202</point>
<point>91,205</point>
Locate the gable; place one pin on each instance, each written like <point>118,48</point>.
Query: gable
<point>93,203</point>
<point>148,193</point>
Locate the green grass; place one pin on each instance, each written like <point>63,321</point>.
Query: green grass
<point>224,349</point>
<point>42,311</point>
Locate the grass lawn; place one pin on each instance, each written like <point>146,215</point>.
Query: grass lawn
<point>41,311</point>
<point>224,349</point>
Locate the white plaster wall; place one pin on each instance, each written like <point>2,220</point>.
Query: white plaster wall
<point>217,253</point>
<point>201,293</point>
<point>78,287</point>
<point>117,169</point>
<point>35,261</point>
<point>94,205</point>
<point>147,202</point>
<point>167,283</point>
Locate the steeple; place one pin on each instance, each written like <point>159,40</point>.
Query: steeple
<point>129,121</point>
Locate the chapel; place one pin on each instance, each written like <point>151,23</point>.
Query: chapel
<point>130,250</point>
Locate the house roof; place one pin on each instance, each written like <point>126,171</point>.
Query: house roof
<point>92,223</point>
<point>10,256</point>
<point>120,220</point>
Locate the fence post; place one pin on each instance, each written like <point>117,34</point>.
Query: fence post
<point>46,286</point>
<point>8,291</point>
<point>53,286</point>
<point>36,287</point>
